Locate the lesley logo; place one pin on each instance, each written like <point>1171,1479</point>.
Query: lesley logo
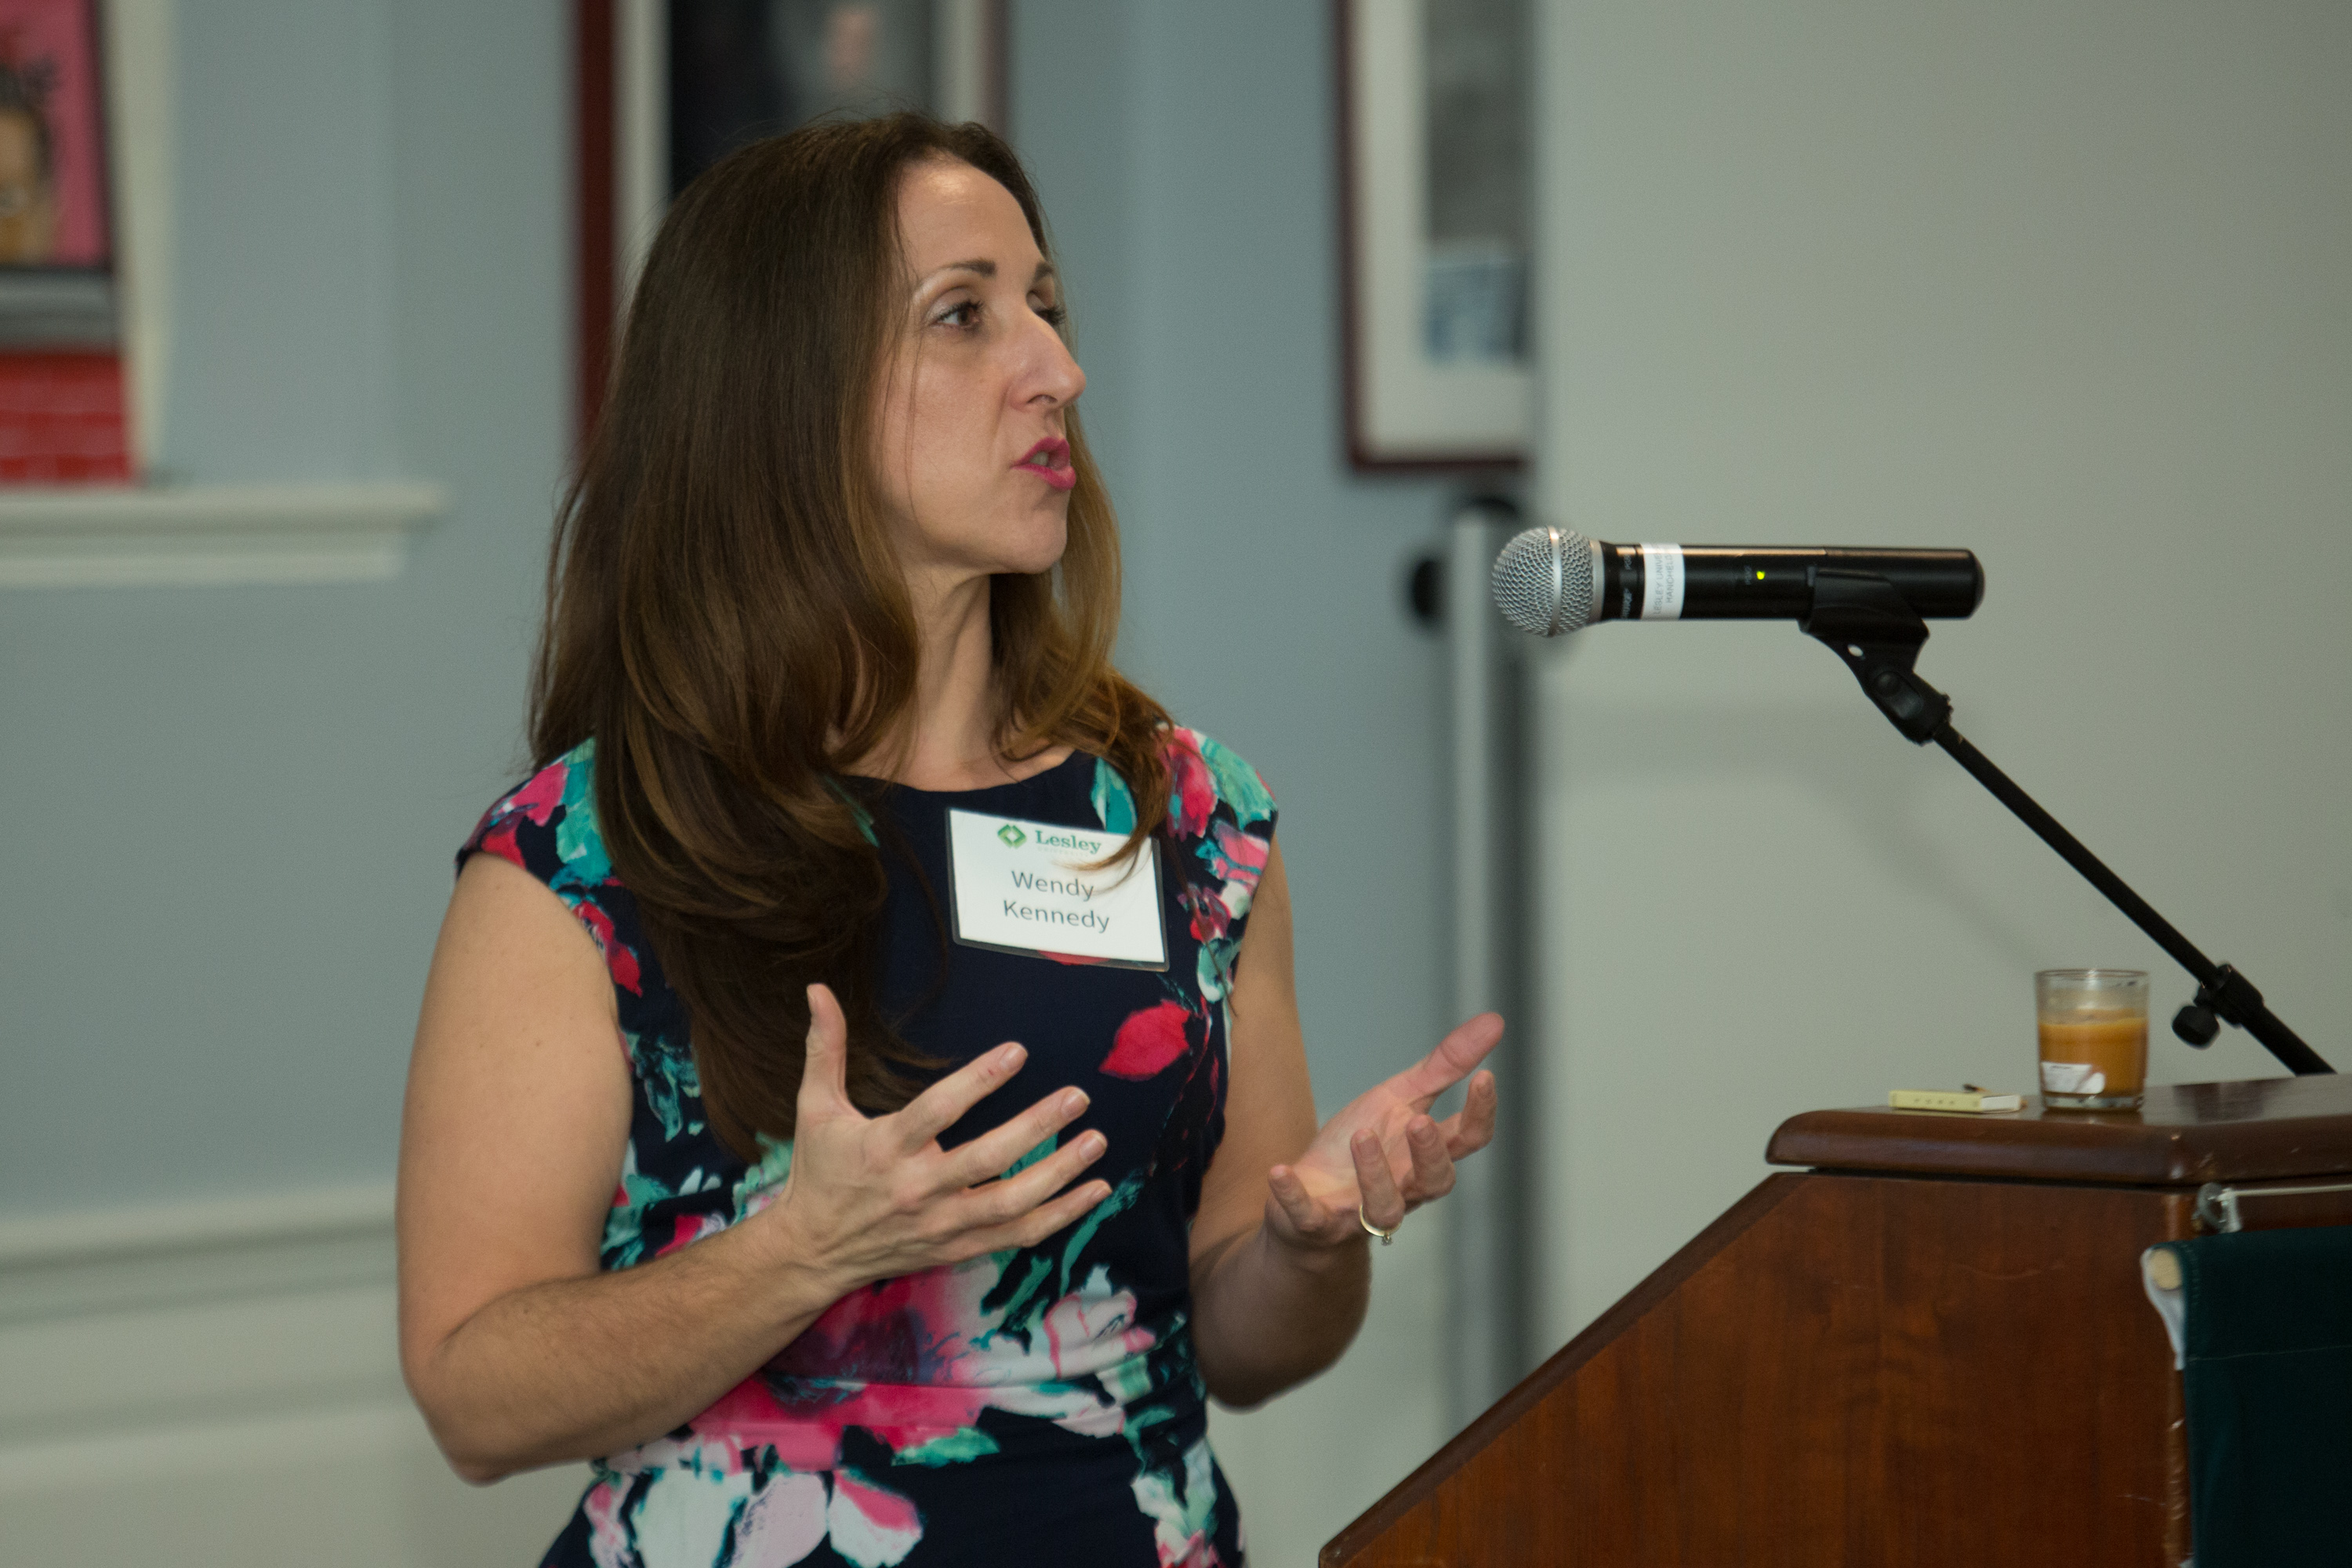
<point>1013,837</point>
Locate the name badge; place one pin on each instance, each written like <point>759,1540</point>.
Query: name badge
<point>1022,887</point>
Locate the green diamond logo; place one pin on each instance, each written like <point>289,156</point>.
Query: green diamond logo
<point>1013,837</point>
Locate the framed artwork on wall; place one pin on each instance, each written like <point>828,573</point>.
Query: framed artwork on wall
<point>62,407</point>
<point>1435,231</point>
<point>667,88</point>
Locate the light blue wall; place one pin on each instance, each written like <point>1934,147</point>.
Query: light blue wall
<point>287,249</point>
<point>1185,157</point>
<point>230,811</point>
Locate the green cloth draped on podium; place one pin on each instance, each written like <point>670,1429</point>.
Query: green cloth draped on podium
<point>2267,1376</point>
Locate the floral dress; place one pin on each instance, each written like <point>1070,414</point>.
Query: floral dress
<point>1037,1405</point>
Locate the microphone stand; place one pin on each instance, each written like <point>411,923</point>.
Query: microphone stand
<point>1874,630</point>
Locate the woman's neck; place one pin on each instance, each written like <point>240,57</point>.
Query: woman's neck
<point>953,732</point>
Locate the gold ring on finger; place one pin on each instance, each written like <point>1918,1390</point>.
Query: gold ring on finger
<point>1387,1236</point>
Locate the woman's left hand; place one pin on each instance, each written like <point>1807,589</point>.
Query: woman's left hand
<point>1383,1155</point>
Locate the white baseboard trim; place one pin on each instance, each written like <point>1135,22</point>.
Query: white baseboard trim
<point>378,1428</point>
<point>218,1382</point>
<point>67,1265</point>
<point>358,1488</point>
<point>134,1319</point>
<point>242,1356</point>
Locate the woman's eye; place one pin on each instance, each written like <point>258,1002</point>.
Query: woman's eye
<point>1051,314</point>
<point>964,315</point>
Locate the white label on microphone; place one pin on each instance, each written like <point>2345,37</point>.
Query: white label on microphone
<point>1024,887</point>
<point>1662,582</point>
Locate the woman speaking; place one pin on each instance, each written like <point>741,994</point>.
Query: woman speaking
<point>859,1102</point>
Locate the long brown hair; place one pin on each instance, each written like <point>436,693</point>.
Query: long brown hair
<point>726,618</point>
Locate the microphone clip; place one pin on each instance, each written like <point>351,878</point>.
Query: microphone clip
<point>1876,631</point>
<point>2228,999</point>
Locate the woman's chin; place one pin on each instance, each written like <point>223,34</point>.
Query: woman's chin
<point>1024,548</point>
<point>1040,550</point>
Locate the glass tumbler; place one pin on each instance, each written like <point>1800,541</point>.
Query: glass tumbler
<point>2094,1028</point>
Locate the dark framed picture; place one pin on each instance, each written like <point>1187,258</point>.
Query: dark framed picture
<point>1436,226</point>
<point>667,88</point>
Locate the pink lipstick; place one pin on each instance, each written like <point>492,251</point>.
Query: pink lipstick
<point>1049,459</point>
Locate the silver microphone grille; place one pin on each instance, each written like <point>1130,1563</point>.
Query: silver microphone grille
<point>1544,581</point>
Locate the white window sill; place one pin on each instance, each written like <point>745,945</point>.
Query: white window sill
<point>92,536</point>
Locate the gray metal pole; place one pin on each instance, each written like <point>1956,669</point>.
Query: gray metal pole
<point>1485,1322</point>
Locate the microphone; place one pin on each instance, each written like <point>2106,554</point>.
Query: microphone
<point>1549,581</point>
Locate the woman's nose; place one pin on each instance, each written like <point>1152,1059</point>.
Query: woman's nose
<point>1052,371</point>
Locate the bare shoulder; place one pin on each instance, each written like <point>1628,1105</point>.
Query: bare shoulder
<point>501,913</point>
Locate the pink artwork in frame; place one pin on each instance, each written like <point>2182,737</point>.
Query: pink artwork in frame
<point>53,186</point>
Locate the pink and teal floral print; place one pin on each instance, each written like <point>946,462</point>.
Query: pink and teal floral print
<point>1039,1404</point>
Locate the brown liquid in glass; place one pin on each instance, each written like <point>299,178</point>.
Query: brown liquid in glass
<point>2111,1041</point>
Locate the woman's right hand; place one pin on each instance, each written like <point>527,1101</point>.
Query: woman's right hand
<point>869,1198</point>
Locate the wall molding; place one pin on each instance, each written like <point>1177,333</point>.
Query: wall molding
<point>69,1266</point>
<point>122,1321</point>
<point>228,1359</point>
<point>94,536</point>
<point>217,1385</point>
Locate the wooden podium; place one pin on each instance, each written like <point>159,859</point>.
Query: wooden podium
<point>1932,1346</point>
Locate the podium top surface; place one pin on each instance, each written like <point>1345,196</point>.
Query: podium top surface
<point>2184,1135</point>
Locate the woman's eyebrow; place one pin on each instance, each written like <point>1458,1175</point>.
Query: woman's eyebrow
<point>987,269</point>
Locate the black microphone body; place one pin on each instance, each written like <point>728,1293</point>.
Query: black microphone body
<point>1548,581</point>
<point>1765,582</point>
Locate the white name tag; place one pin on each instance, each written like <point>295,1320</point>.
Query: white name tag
<point>1019,888</point>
